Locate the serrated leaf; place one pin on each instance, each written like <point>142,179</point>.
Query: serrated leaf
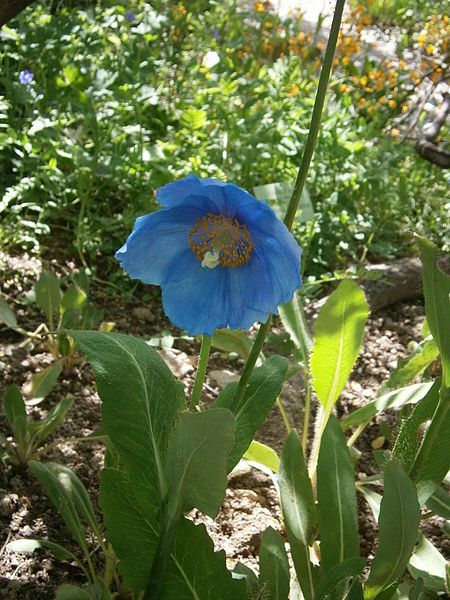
<point>196,461</point>
<point>339,331</point>
<point>264,386</point>
<point>396,399</point>
<point>399,521</point>
<point>6,314</point>
<point>299,510</point>
<point>140,400</point>
<point>263,455</point>
<point>133,534</point>
<point>274,566</point>
<point>201,574</point>
<point>338,522</point>
<point>48,294</point>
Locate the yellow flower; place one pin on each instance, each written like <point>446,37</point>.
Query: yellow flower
<point>392,104</point>
<point>430,49</point>
<point>363,81</point>
<point>259,7</point>
<point>343,88</point>
<point>345,61</point>
<point>294,90</point>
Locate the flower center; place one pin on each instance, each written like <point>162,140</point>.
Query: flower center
<point>218,240</point>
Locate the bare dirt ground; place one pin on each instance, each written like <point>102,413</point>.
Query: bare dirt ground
<point>251,502</point>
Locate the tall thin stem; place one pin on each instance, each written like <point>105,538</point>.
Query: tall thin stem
<point>301,178</point>
<point>316,114</point>
<point>201,370</point>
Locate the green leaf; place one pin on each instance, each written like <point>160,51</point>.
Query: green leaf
<point>429,564</point>
<point>335,584</point>
<point>274,566</point>
<point>28,546</point>
<point>339,331</point>
<point>263,455</point>
<point>15,411</point>
<point>53,419</point>
<point>42,383</point>
<point>299,510</point>
<point>193,118</point>
<point>436,288</point>
<point>394,400</point>
<point>399,521</point>
<point>294,321</point>
<point>338,523</point>
<point>197,459</point>
<point>69,496</point>
<point>406,444</point>
<point>48,294</point>
<point>241,571</point>
<point>439,503</point>
<point>413,366</point>
<point>196,571</point>
<point>133,534</point>
<point>264,386</point>
<point>73,298</point>
<point>73,592</point>
<point>6,314</point>
<point>232,340</point>
<point>140,400</point>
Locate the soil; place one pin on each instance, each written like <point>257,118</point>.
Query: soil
<point>251,502</point>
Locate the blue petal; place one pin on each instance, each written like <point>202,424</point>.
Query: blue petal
<point>177,192</point>
<point>159,241</point>
<point>208,300</point>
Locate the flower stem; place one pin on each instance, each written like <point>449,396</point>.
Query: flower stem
<point>316,114</point>
<point>201,370</point>
<point>301,178</point>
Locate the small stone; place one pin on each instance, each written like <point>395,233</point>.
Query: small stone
<point>378,442</point>
<point>27,531</point>
<point>223,377</point>
<point>143,313</point>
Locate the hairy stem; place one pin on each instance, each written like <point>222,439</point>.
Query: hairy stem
<point>201,370</point>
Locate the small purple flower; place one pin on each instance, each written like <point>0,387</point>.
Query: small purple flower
<point>26,77</point>
<point>215,34</point>
<point>130,16</point>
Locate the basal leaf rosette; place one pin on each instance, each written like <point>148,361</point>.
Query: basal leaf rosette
<point>221,257</point>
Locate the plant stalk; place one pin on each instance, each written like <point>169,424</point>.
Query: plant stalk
<point>201,371</point>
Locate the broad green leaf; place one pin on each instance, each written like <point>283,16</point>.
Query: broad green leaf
<point>335,584</point>
<point>436,288</point>
<point>338,523</point>
<point>73,592</point>
<point>299,510</point>
<point>53,419</point>
<point>241,571</point>
<point>399,521</point>
<point>274,566</point>
<point>339,331</point>
<point>406,444</point>
<point>264,386</point>
<point>42,383</point>
<point>28,546</point>
<point>439,503</point>
<point>232,340</point>
<point>394,400</point>
<point>69,496</point>
<point>15,411</point>
<point>429,564</point>
<point>414,365</point>
<point>264,455</point>
<point>197,460</point>
<point>140,399</point>
<point>6,314</point>
<point>73,298</point>
<point>432,461</point>
<point>197,572</point>
<point>294,321</point>
<point>133,534</point>
<point>48,294</point>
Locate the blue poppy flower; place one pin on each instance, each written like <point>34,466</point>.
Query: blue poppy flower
<point>221,257</point>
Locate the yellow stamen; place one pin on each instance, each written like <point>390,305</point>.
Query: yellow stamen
<point>219,240</point>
